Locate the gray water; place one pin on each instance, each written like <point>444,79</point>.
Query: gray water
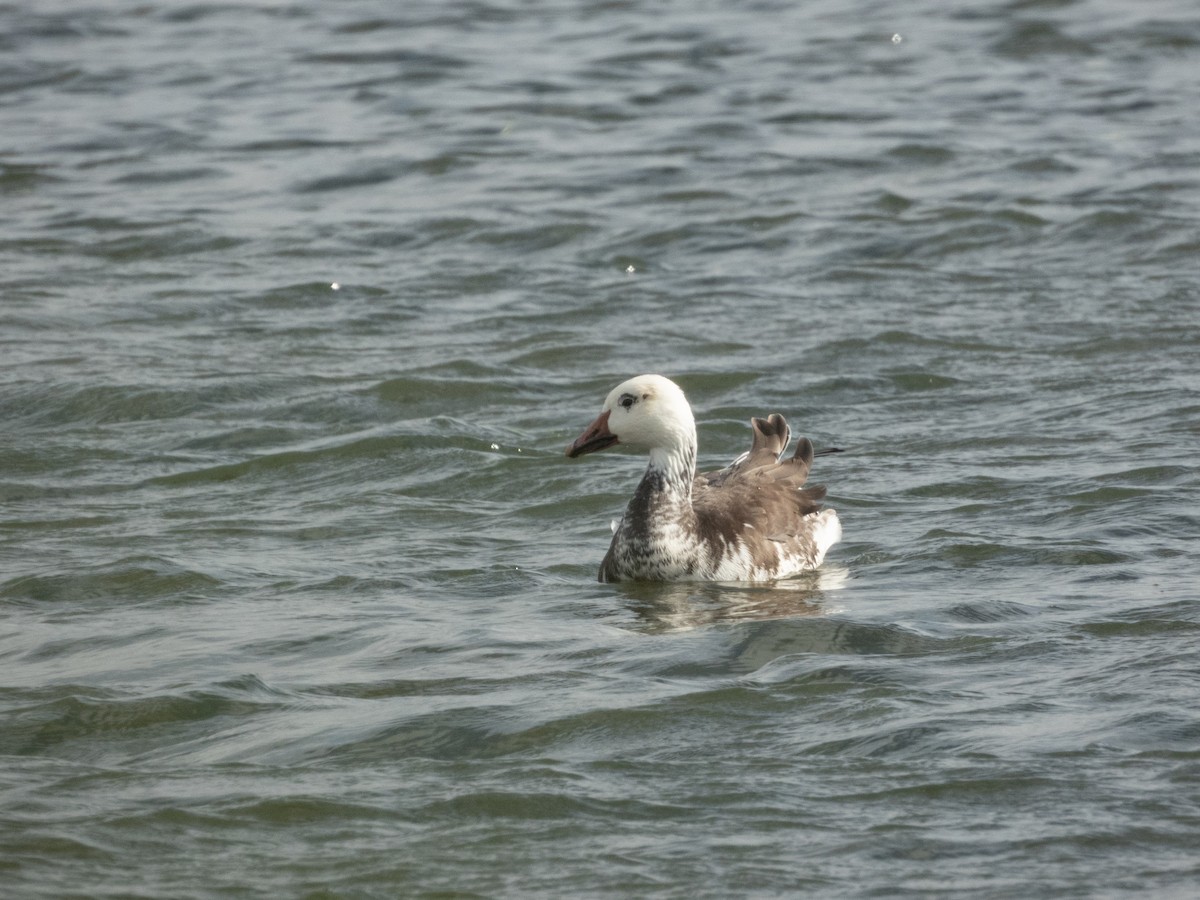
<point>297,590</point>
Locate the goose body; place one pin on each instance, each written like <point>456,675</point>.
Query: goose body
<point>754,520</point>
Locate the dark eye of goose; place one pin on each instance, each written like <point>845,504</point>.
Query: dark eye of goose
<point>627,400</point>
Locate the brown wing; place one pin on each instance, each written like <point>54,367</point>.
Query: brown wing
<point>771,436</point>
<point>759,489</point>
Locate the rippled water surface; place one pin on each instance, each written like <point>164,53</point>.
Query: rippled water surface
<point>300,303</point>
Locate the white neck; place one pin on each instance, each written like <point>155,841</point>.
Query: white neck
<point>676,466</point>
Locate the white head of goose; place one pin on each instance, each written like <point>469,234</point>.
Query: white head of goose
<point>752,521</point>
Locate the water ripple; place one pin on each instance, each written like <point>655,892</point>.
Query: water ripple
<point>293,569</point>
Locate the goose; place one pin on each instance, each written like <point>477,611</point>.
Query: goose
<point>752,521</point>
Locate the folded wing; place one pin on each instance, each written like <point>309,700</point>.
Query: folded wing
<point>760,496</point>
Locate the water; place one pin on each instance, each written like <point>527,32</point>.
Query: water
<point>297,588</point>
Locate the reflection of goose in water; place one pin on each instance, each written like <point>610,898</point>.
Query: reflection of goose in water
<point>682,607</point>
<point>751,521</point>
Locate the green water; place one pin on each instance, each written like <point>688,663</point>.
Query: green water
<point>297,589</point>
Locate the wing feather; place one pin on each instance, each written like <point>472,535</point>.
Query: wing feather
<point>760,488</point>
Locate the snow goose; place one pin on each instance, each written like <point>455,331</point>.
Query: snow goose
<point>751,521</point>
